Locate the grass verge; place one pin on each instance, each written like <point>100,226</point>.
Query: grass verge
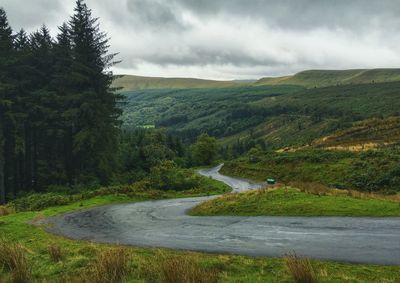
<point>294,202</point>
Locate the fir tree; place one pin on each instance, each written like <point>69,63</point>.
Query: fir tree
<point>95,125</point>
<point>6,55</point>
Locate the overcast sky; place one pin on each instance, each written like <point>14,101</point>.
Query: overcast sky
<point>233,39</point>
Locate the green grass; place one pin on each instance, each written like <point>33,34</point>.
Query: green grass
<point>292,202</point>
<point>78,256</point>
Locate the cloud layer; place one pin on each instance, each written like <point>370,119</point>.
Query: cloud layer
<point>233,39</point>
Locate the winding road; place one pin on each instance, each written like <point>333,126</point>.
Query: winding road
<point>164,223</point>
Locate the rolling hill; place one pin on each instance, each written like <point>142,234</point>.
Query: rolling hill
<point>280,115</point>
<point>364,135</point>
<point>132,83</point>
<point>323,78</point>
<point>308,79</point>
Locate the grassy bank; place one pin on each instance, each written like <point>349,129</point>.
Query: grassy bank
<point>293,202</point>
<point>50,258</point>
<point>370,171</point>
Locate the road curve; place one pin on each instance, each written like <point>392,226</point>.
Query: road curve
<point>164,223</point>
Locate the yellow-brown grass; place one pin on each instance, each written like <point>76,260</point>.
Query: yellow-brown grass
<point>55,252</point>
<point>321,190</point>
<point>111,266</point>
<point>13,259</point>
<point>4,211</point>
<point>301,269</point>
<point>184,269</point>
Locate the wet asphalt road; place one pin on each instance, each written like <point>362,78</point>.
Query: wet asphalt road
<point>164,223</point>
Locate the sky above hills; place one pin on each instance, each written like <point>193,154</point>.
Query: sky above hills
<point>233,39</point>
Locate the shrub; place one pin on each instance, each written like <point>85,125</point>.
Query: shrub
<point>13,259</point>
<point>37,202</point>
<point>168,176</point>
<point>301,269</point>
<point>55,252</point>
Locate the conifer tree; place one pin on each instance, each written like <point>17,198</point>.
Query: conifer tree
<point>6,54</point>
<point>95,125</point>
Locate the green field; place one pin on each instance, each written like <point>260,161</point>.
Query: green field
<point>293,202</point>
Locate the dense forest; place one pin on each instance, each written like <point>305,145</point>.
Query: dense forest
<point>280,115</point>
<point>58,116</point>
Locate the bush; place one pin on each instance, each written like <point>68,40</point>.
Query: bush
<point>36,202</point>
<point>168,176</point>
<point>13,259</point>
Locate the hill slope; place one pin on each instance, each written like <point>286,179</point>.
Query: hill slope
<point>280,115</point>
<point>371,133</point>
<point>322,78</point>
<point>132,83</point>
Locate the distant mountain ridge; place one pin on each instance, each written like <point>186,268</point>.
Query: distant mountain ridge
<point>308,79</point>
<point>133,83</point>
<point>323,78</point>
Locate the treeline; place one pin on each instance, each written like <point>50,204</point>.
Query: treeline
<point>58,116</point>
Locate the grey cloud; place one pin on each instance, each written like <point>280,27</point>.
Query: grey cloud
<point>233,38</point>
<point>156,14</point>
<point>300,14</point>
<point>30,15</point>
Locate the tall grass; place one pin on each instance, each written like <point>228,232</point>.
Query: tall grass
<point>55,252</point>
<point>4,211</point>
<point>321,190</point>
<point>13,259</point>
<point>111,266</point>
<point>185,269</point>
<point>301,269</point>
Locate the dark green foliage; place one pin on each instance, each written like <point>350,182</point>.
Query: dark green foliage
<point>280,115</point>
<point>371,171</point>
<point>167,176</point>
<point>58,117</point>
<point>376,170</point>
<point>204,150</point>
<point>191,112</point>
<point>140,150</point>
<point>7,118</point>
<point>36,202</point>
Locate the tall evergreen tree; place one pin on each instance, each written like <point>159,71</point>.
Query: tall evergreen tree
<point>6,55</point>
<point>58,116</point>
<point>95,125</point>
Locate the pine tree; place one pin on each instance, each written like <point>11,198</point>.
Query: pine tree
<point>6,52</point>
<point>62,83</point>
<point>95,125</point>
